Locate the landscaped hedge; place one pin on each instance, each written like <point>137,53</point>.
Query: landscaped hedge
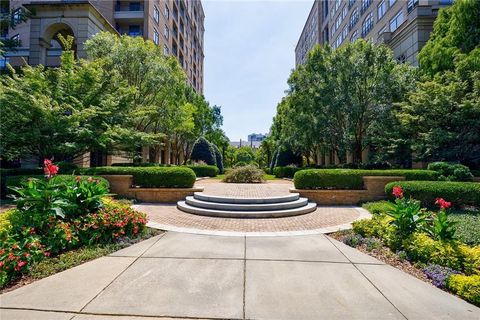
<point>205,170</point>
<point>285,172</point>
<point>459,193</point>
<point>150,177</point>
<point>351,178</point>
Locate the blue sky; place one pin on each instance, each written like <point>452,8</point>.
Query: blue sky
<point>249,53</point>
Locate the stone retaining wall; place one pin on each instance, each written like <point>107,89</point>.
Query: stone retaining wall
<point>122,185</point>
<point>374,190</point>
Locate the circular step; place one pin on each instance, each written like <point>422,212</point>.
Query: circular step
<point>246,207</point>
<point>309,207</point>
<point>219,199</point>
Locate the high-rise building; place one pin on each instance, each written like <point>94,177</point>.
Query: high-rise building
<point>177,26</point>
<point>402,25</point>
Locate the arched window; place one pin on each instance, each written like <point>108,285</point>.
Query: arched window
<point>354,18</point>
<point>367,24</point>
<point>354,36</point>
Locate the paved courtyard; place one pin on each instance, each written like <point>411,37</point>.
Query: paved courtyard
<point>211,277</point>
<point>324,219</point>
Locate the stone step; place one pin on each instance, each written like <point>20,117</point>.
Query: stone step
<point>246,206</point>
<point>279,199</point>
<point>309,207</point>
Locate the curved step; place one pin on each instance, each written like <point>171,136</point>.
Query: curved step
<point>310,207</point>
<point>246,207</point>
<point>279,199</point>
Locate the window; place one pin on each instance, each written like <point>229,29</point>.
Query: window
<point>365,5</point>
<point>337,4</point>
<point>411,5</point>
<point>17,16</point>
<point>134,6</point>
<point>338,41</point>
<point>396,21</point>
<point>166,12</point>
<point>166,32</point>
<point>156,15</point>
<point>354,36</point>
<point>367,24</point>
<point>156,37</point>
<point>344,12</point>
<point>165,50</point>
<point>354,18</point>
<point>344,33</point>
<point>391,3</point>
<point>338,22</point>
<point>381,8</point>
<point>134,30</point>
<point>350,3</point>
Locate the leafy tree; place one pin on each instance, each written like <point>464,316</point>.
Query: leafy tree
<point>244,154</point>
<point>218,158</point>
<point>286,156</point>
<point>203,151</point>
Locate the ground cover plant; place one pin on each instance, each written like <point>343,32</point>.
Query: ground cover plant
<point>429,244</point>
<point>53,216</point>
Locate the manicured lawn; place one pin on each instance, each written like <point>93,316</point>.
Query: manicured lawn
<point>265,176</point>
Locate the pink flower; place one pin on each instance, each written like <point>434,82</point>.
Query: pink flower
<point>49,168</point>
<point>397,192</point>
<point>20,265</point>
<point>46,254</point>
<point>443,203</point>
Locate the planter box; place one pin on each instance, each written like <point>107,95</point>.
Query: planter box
<point>374,190</point>
<point>122,185</point>
<point>166,195</point>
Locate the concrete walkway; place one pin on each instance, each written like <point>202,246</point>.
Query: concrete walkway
<point>197,276</point>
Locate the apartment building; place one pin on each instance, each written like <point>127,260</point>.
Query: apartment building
<point>403,25</point>
<point>177,26</point>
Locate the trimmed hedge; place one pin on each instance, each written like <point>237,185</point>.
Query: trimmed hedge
<point>285,172</point>
<point>459,193</point>
<point>150,177</point>
<point>352,178</point>
<point>205,170</point>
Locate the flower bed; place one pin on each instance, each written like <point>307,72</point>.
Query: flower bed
<point>351,178</point>
<point>425,240</point>
<point>54,215</point>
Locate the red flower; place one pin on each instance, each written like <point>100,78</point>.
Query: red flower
<point>2,264</point>
<point>20,265</point>
<point>443,203</point>
<point>46,254</point>
<point>49,168</point>
<point>397,192</point>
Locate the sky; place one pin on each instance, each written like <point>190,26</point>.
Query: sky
<point>249,54</point>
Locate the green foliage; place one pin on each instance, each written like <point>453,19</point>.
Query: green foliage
<point>285,172</point>
<point>351,178</point>
<point>441,228</point>
<point>244,155</point>
<point>161,177</point>
<point>240,164</point>
<point>204,170</point>
<point>203,151</point>
<point>459,193</point>
<point>218,158</point>
<point>286,157</point>
<point>379,226</point>
<point>246,174</point>
<point>378,207</point>
<point>451,171</point>
<point>466,287</point>
<point>467,225</point>
<point>67,167</point>
<point>407,216</point>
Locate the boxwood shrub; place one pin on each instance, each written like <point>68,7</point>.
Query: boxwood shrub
<point>351,178</point>
<point>205,170</point>
<point>285,172</point>
<point>459,193</point>
<point>150,177</point>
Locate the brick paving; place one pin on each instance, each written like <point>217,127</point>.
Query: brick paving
<point>323,217</point>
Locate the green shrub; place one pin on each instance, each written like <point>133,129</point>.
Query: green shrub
<point>17,181</point>
<point>247,174</point>
<point>467,227</point>
<point>476,173</point>
<point>378,207</point>
<point>243,156</point>
<point>286,156</point>
<point>203,151</point>
<point>451,171</point>
<point>218,159</point>
<point>67,167</point>
<point>285,172</point>
<point>139,164</point>
<point>351,178</point>
<point>204,170</point>
<point>150,177</point>
<point>240,164</point>
<point>466,287</point>
<point>378,226</point>
<point>459,193</point>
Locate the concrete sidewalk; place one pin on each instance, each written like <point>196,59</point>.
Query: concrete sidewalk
<point>197,276</point>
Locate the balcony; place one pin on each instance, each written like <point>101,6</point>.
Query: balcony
<point>133,31</point>
<point>129,11</point>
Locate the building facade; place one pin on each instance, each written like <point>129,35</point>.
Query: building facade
<point>177,26</point>
<point>403,25</point>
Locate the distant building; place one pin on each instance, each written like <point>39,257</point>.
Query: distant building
<point>402,25</point>
<point>256,137</point>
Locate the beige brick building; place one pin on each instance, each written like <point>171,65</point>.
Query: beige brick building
<point>175,25</point>
<point>403,25</point>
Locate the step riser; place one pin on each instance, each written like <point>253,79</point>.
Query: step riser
<point>310,207</point>
<point>288,198</point>
<point>246,207</point>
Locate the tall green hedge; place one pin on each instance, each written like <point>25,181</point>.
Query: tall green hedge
<point>203,151</point>
<point>150,177</point>
<point>205,170</point>
<point>459,193</point>
<point>285,172</point>
<point>351,178</point>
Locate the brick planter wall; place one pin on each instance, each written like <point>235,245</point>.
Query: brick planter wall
<point>374,190</point>
<point>122,185</point>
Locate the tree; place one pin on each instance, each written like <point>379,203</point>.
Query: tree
<point>203,151</point>
<point>218,158</point>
